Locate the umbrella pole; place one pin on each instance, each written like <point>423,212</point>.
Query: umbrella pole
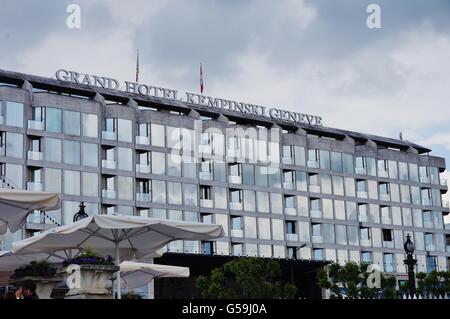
<point>119,291</point>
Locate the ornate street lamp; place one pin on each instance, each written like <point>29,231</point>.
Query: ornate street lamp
<point>81,213</point>
<point>410,262</point>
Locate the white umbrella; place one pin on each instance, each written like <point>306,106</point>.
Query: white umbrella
<point>137,274</point>
<point>16,205</point>
<point>123,236</point>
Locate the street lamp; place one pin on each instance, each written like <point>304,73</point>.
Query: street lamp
<point>81,213</point>
<point>294,256</point>
<point>410,262</point>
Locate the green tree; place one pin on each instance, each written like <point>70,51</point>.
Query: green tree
<point>350,281</point>
<point>436,283</point>
<point>249,278</point>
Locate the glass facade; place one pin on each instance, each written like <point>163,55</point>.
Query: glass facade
<point>327,193</point>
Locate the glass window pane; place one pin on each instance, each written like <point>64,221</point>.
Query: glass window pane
<point>125,130</point>
<point>125,187</point>
<point>52,150</point>
<point>14,114</point>
<point>52,180</point>
<point>90,125</point>
<point>53,120</point>
<point>72,123</point>
<point>72,183</point>
<point>276,203</point>
<point>90,154</point>
<point>157,135</point>
<point>158,163</point>
<point>158,191</point>
<point>125,156</point>
<point>14,145</point>
<point>190,194</point>
<point>90,184</point>
<point>71,154</point>
<point>174,191</point>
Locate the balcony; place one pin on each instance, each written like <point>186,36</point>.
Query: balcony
<point>235,179</point>
<point>313,164</point>
<point>360,170</point>
<point>317,239</point>
<point>316,213</point>
<point>287,160</point>
<point>383,174</point>
<point>143,197</point>
<point>365,242</point>
<point>386,220</point>
<point>237,233</point>
<point>108,135</point>
<point>35,156</point>
<point>36,125</point>
<point>207,203</point>
<point>109,193</point>
<point>143,168</point>
<point>288,185</point>
<point>430,247</point>
<point>108,164</point>
<point>363,218</point>
<point>205,175</point>
<point>314,188</point>
<point>235,205</point>
<point>34,186</point>
<point>143,140</point>
<point>292,237</point>
<point>362,194</point>
<point>233,152</point>
<point>290,211</point>
<point>385,197</point>
<point>388,244</point>
<point>426,201</point>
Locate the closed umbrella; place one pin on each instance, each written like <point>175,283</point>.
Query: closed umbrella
<point>137,274</point>
<point>125,237</point>
<point>16,205</point>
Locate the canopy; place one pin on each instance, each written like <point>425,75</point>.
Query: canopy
<point>123,236</point>
<point>138,274</point>
<point>15,205</point>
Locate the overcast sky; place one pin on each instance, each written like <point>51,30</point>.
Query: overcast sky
<point>315,57</point>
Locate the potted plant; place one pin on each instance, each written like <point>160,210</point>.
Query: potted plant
<point>42,273</point>
<point>132,295</point>
<point>86,275</point>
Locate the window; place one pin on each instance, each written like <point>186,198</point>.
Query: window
<point>157,135</point>
<point>388,262</point>
<point>52,180</point>
<point>71,154</point>
<point>371,168</point>
<point>90,184</point>
<point>125,187</point>
<point>236,223</point>
<point>313,157</point>
<point>190,194</point>
<point>341,235</point>
<point>90,154</point>
<point>299,155</point>
<point>261,176</point>
<point>262,201</point>
<point>325,160</point>
<point>72,183</point>
<point>53,120</point>
<point>249,201</point>
<point>387,234</point>
<point>413,172</point>
<point>125,130</point>
<point>347,163</point>
<point>366,256</point>
<point>14,114</point>
<point>290,227</point>
<point>158,163</point>
<point>220,197</point>
<point>14,145</point>
<point>364,233</point>
<point>383,168</point>
<point>208,247</point>
<point>338,185</point>
<point>318,254</point>
<point>336,162</point>
<point>125,158</point>
<point>360,165</point>
<point>90,125</point>
<point>431,263</point>
<point>276,203</point>
<point>158,191</point>
<point>361,188</point>
<point>250,227</point>
<point>174,191</point>
<point>264,228</point>
<point>71,123</point>
<point>403,171</point>
<point>393,171</point>
<point>248,174</point>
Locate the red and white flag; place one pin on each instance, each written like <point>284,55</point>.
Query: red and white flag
<point>201,79</point>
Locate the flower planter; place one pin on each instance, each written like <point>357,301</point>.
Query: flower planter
<point>88,281</point>
<point>44,285</point>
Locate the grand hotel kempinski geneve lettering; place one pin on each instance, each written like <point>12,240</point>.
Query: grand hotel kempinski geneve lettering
<point>191,98</point>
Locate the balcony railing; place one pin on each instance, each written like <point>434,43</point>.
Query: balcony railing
<point>430,247</point>
<point>235,205</point>
<point>385,197</point>
<point>109,193</point>
<point>288,185</point>
<point>426,201</point>
<point>365,242</point>
<point>143,197</point>
<point>35,156</point>
<point>316,213</point>
<point>383,174</point>
<point>314,188</point>
<point>363,218</point>
<point>362,194</point>
<point>108,135</point>
<point>233,179</point>
<point>109,164</point>
<point>317,239</point>
<point>208,203</point>
<point>205,175</point>
<point>313,164</point>
<point>290,211</point>
<point>287,160</point>
<point>428,224</point>
<point>388,244</point>
<point>36,125</point>
<point>2,151</point>
<point>143,168</point>
<point>143,140</point>
<point>237,233</point>
<point>2,120</point>
<point>425,179</point>
<point>360,170</point>
<point>292,237</point>
<point>34,186</point>
<point>386,220</point>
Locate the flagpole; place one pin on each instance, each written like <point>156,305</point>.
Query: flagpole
<point>137,66</point>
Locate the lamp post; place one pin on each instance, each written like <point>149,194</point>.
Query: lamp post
<point>81,213</point>
<point>410,262</point>
<point>292,261</point>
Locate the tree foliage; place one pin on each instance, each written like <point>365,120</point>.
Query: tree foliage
<point>351,281</point>
<point>436,283</point>
<point>249,278</point>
